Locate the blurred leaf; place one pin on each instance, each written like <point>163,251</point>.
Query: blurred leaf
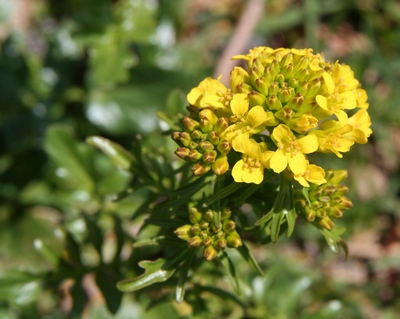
<point>334,239</point>
<point>154,272</point>
<point>106,278</point>
<point>120,157</point>
<point>231,272</point>
<point>72,159</point>
<point>18,287</point>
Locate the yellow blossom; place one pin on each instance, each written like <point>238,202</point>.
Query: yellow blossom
<point>290,152</point>
<point>313,174</point>
<point>332,138</point>
<point>246,122</point>
<point>210,93</point>
<point>250,169</point>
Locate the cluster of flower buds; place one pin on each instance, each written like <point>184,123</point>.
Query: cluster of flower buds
<point>327,201</point>
<point>202,232</point>
<point>201,143</point>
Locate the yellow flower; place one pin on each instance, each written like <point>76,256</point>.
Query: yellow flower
<point>290,152</point>
<point>334,138</point>
<point>313,174</point>
<point>246,122</point>
<point>250,169</point>
<point>210,93</point>
<point>361,123</point>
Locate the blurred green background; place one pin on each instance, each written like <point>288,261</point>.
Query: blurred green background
<point>76,68</point>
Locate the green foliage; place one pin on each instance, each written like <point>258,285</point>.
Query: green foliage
<point>90,191</point>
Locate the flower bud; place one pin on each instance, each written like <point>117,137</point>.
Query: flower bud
<point>293,82</point>
<point>224,147</point>
<point>262,85</point>
<point>194,215</point>
<point>256,98</point>
<point>209,157</point>
<point>285,114</point>
<point>273,103</point>
<point>205,125</point>
<point>206,146</point>
<point>335,212</point>
<point>208,215</point>
<point>220,166</point>
<point>326,222</point>
<point>209,115</point>
<point>195,241</point>
<point>207,241</point>
<point>288,71</point>
<point>221,243</point>
<point>226,213</point>
<point>190,124</point>
<point>273,89</point>
<point>182,152</point>
<point>183,232</point>
<point>221,125</point>
<point>228,226</point>
<point>195,230</point>
<point>234,240</point>
<point>185,138</point>
<point>195,156</point>
<point>197,134</point>
<point>200,169</point>
<point>176,136</point>
<point>213,137</point>
<point>210,253</point>
<point>204,224</point>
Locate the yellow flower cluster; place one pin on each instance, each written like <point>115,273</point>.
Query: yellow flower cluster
<point>287,104</point>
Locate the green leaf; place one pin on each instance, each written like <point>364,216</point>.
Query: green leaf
<point>106,277</point>
<point>120,157</point>
<point>154,272</point>
<point>247,255</point>
<point>73,159</point>
<point>231,271</point>
<point>183,275</point>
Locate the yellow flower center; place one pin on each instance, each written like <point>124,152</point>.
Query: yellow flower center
<point>290,145</point>
<point>250,163</point>
<point>225,97</point>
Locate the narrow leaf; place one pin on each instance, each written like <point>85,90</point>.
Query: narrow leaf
<point>120,157</point>
<point>154,272</point>
<point>231,271</point>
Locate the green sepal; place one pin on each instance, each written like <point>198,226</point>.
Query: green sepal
<point>155,271</point>
<point>231,271</point>
<point>282,211</point>
<point>120,157</point>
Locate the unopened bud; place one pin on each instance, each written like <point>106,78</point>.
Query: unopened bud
<point>207,241</point>
<point>226,213</point>
<point>228,226</point>
<point>224,147</point>
<point>208,215</point>
<point>197,134</point>
<point>183,232</point>
<point>326,222</point>
<point>195,241</point>
<point>182,152</point>
<point>176,136</point>
<point>221,125</point>
<point>285,95</point>
<point>285,114</point>
<point>273,89</point>
<point>256,98</point>
<point>210,157</point>
<point>293,82</point>
<point>195,156</point>
<point>210,253</point>
<point>204,224</point>
<point>213,137</point>
<point>190,124</point>
<point>221,243</point>
<point>195,230</point>
<point>273,103</point>
<point>205,125</point>
<point>335,212</point>
<point>194,215</point>
<point>220,166</point>
<point>234,240</point>
<point>206,146</point>
<point>262,85</point>
<point>288,71</point>
<point>200,169</point>
<point>209,115</point>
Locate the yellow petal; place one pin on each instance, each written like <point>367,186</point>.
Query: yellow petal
<point>239,104</point>
<point>308,143</point>
<point>297,163</point>
<point>237,171</point>
<point>257,116</point>
<point>278,161</point>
